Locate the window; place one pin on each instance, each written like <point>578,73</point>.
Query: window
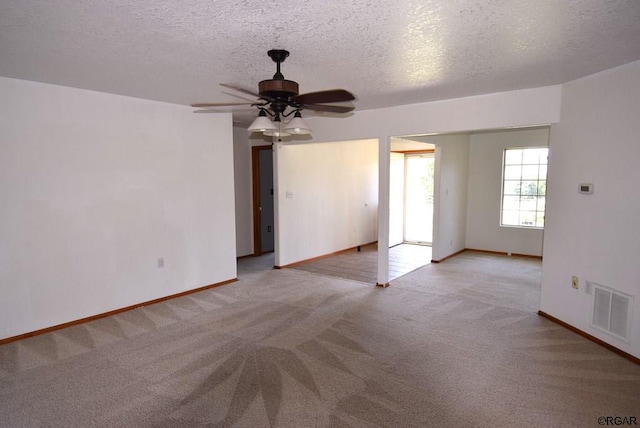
<point>524,187</point>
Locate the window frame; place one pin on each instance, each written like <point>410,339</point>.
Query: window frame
<point>519,183</point>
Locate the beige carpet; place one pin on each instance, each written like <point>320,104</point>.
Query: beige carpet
<point>456,344</point>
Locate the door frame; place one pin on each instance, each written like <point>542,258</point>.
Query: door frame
<point>257,221</point>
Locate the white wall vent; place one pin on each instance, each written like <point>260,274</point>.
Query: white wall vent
<point>612,311</point>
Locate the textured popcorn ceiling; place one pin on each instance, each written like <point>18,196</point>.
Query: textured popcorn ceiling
<point>385,52</point>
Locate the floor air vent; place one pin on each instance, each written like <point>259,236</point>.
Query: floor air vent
<point>611,311</point>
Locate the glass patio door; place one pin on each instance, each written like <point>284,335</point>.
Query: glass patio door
<point>418,208</point>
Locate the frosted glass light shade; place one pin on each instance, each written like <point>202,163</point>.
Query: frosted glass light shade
<point>298,126</point>
<point>277,133</point>
<point>262,124</point>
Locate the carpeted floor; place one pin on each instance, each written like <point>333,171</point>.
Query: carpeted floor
<point>455,344</point>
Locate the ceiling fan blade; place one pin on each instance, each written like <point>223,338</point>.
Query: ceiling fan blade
<point>207,111</point>
<point>206,105</point>
<point>329,96</point>
<point>224,110</point>
<point>237,96</point>
<point>239,89</point>
<point>328,108</point>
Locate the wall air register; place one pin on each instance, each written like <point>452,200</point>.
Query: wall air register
<point>612,311</point>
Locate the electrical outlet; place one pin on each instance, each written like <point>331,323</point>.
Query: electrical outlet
<point>574,282</point>
<point>160,262</point>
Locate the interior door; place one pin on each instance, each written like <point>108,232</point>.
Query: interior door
<point>263,205</point>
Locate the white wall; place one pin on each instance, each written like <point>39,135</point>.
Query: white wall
<point>243,191</point>
<point>450,194</point>
<point>94,188</point>
<point>595,237</point>
<point>485,183</point>
<point>396,198</point>
<point>327,198</point>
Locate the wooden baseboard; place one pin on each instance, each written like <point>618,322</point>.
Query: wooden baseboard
<point>502,253</point>
<point>324,256</point>
<point>449,256</point>
<point>382,285</point>
<point>114,312</point>
<point>594,339</point>
<point>432,261</point>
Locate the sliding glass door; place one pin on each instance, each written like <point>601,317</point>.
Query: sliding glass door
<point>418,198</point>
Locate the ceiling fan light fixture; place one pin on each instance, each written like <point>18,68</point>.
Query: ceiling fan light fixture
<point>280,98</point>
<point>298,125</point>
<point>279,131</point>
<point>276,133</point>
<point>263,124</point>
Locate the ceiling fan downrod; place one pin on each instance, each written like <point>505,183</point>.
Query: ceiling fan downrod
<point>278,56</point>
<point>278,88</point>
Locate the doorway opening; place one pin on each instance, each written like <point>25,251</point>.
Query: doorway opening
<point>418,198</point>
<point>411,205</point>
<point>411,198</point>
<point>263,208</point>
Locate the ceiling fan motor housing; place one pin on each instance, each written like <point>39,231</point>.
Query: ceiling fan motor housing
<point>278,88</point>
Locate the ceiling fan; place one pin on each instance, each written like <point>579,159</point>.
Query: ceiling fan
<point>279,98</point>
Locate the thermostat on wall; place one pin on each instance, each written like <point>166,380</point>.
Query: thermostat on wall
<point>586,188</point>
